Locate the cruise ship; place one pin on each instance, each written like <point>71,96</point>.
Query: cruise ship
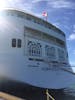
<point>33,51</point>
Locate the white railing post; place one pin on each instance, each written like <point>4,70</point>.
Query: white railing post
<point>48,95</point>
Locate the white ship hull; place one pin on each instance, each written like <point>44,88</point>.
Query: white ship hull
<point>16,64</point>
<point>34,74</point>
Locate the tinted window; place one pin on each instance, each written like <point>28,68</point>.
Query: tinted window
<point>13,42</point>
<point>19,43</point>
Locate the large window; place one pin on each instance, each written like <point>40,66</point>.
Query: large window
<point>50,52</point>
<point>61,55</point>
<point>34,49</point>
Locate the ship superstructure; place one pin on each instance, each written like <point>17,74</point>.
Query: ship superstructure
<point>33,51</point>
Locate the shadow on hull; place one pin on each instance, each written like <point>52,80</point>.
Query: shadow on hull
<point>28,92</point>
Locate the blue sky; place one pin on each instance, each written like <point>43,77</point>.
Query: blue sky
<point>60,13</point>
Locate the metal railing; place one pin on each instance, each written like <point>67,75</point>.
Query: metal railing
<point>49,96</point>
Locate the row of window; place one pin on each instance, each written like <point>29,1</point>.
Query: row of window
<point>35,49</point>
<point>44,37</point>
<point>16,43</point>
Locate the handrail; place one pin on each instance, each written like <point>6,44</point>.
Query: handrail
<point>48,95</point>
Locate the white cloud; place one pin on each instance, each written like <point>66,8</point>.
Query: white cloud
<point>28,4</point>
<point>58,3</point>
<point>73,65</point>
<point>23,6</point>
<point>62,4</point>
<point>72,36</point>
<point>20,4</point>
<point>36,1</point>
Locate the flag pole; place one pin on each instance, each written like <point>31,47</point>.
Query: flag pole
<point>45,14</point>
<point>47,17</point>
